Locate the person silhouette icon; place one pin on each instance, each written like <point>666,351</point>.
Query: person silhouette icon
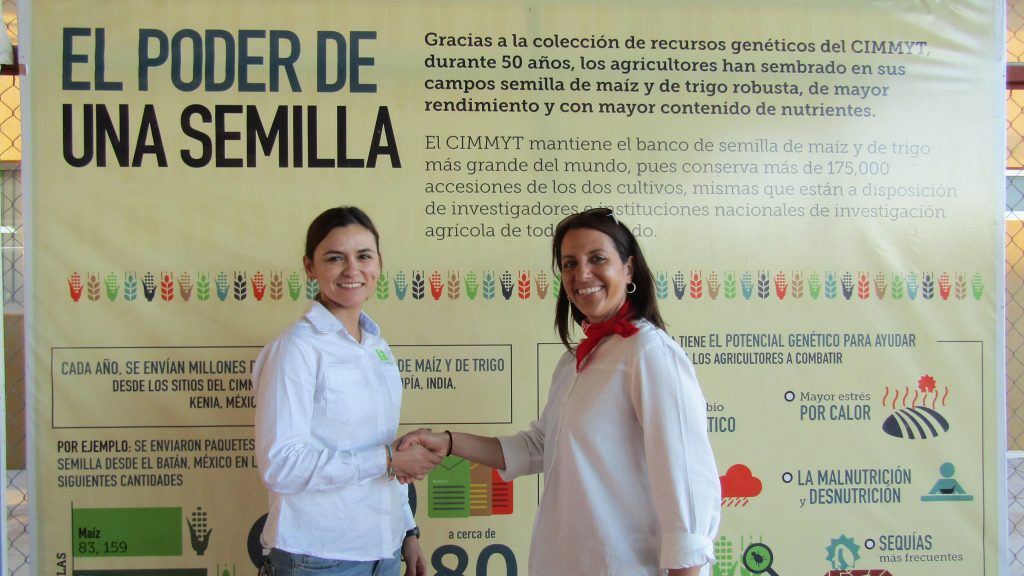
<point>947,488</point>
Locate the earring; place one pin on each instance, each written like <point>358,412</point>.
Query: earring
<point>630,288</point>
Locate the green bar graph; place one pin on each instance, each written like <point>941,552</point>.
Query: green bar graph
<point>104,532</point>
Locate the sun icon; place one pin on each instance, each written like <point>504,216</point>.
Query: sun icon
<point>926,384</point>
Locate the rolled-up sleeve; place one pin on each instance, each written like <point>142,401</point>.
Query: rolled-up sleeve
<point>289,458</point>
<point>685,487</point>
<point>523,452</point>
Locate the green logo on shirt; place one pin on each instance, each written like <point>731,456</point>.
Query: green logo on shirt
<point>383,356</point>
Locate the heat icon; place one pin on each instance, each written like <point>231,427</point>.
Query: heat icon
<point>916,415</point>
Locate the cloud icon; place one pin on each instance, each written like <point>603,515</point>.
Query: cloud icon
<point>739,485</point>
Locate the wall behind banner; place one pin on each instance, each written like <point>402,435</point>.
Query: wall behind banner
<point>795,348</point>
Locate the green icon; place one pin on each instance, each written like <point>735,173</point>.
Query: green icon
<point>448,487</point>
<point>758,559</point>
<point>458,488</point>
<point>838,551</point>
<point>947,488</point>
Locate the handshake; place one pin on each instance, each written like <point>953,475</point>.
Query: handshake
<point>413,455</point>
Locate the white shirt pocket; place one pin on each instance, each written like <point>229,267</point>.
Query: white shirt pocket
<point>351,403</point>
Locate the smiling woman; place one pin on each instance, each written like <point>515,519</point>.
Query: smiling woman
<point>623,441</point>
<point>594,276</point>
<point>346,265</point>
<point>328,395</point>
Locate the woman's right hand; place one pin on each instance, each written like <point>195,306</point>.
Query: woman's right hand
<point>485,450</point>
<point>437,442</point>
<point>413,462</point>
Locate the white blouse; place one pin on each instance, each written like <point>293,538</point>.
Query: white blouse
<point>630,482</point>
<point>325,406</point>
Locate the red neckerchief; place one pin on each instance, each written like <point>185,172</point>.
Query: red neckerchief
<point>619,324</point>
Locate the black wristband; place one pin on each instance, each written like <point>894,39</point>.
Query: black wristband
<point>415,531</point>
<point>451,443</point>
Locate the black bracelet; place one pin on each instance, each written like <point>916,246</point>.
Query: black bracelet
<point>451,443</point>
<point>414,531</point>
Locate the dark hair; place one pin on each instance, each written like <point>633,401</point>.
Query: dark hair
<point>643,301</point>
<point>333,218</point>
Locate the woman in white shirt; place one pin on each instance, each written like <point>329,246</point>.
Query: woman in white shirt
<point>328,394</point>
<point>630,482</point>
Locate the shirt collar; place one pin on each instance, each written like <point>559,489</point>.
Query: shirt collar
<point>326,323</point>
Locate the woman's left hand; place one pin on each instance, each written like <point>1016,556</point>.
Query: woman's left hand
<point>415,562</point>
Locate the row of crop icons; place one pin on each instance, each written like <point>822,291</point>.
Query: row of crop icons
<point>761,285</point>
<point>240,286</point>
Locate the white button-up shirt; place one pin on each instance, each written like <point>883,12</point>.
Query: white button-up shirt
<point>325,407</point>
<point>630,482</point>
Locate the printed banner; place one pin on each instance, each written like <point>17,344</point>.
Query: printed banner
<point>816,185</point>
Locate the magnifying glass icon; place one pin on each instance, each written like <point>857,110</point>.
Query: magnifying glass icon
<point>758,559</point>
